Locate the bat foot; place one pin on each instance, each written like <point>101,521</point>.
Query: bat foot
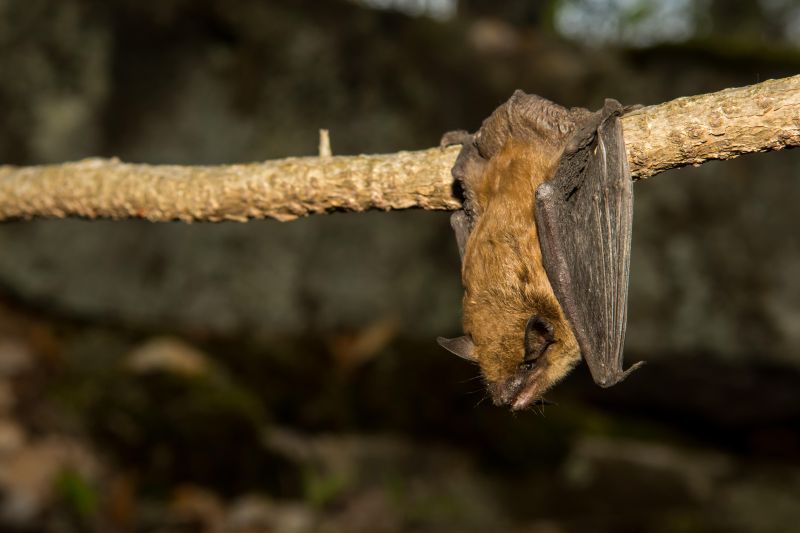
<point>619,378</point>
<point>455,137</point>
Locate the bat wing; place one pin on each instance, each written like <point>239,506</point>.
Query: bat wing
<point>584,218</point>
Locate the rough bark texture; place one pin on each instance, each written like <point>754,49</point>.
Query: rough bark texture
<point>282,189</point>
<point>721,125</point>
<point>689,130</point>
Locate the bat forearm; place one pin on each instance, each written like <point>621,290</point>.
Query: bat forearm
<point>685,131</point>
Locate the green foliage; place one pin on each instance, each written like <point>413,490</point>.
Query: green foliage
<point>77,494</point>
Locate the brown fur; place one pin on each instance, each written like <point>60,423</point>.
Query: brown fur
<point>504,280</point>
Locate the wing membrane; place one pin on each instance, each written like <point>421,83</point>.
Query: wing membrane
<point>584,219</point>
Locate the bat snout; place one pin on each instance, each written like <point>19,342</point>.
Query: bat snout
<point>519,391</point>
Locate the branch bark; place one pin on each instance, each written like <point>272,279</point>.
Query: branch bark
<point>685,131</point>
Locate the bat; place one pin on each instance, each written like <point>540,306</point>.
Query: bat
<point>544,237</point>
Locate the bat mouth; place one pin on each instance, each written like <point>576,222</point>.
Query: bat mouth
<point>528,393</point>
<point>520,391</point>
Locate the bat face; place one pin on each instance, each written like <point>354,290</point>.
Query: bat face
<point>520,358</point>
<point>521,377</point>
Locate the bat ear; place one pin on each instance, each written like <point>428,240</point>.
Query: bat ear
<point>538,336</point>
<point>460,346</point>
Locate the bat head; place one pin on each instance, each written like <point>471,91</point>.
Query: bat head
<point>517,332</point>
<point>521,359</point>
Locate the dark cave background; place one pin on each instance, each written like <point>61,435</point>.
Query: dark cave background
<point>284,376</point>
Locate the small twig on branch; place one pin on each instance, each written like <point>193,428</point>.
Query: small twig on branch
<point>685,131</point>
<point>325,143</point>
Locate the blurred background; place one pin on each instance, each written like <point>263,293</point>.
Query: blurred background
<point>284,376</point>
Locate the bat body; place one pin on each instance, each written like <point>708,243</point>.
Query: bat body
<point>545,243</point>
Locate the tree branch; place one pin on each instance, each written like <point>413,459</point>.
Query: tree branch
<point>685,131</point>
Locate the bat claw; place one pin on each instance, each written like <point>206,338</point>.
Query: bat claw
<point>619,378</point>
<point>455,137</point>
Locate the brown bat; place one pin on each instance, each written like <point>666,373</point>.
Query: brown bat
<point>544,238</point>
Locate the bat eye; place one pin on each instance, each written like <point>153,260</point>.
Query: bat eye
<point>538,337</point>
